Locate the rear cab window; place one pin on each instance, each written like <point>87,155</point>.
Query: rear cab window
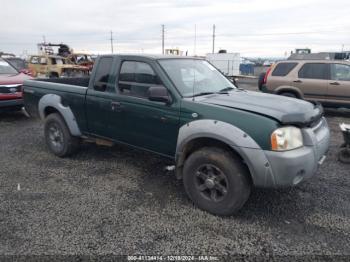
<point>283,69</point>
<point>314,71</point>
<point>102,75</point>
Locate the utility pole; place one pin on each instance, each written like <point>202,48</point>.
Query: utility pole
<point>213,39</point>
<point>111,41</point>
<point>163,33</point>
<point>195,40</point>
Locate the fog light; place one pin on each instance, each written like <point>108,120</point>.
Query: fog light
<point>299,177</point>
<point>297,180</point>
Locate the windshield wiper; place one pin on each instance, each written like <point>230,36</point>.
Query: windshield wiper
<point>203,94</point>
<point>225,90</point>
<point>222,91</point>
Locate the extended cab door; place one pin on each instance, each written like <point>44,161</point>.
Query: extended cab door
<point>313,80</point>
<point>338,92</point>
<point>103,118</point>
<point>147,124</point>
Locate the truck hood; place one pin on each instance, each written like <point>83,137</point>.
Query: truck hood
<point>284,109</point>
<point>13,79</point>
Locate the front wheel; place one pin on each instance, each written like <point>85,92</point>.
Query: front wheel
<point>216,181</point>
<point>58,137</point>
<point>344,155</point>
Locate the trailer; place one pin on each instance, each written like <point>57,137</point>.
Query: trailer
<point>227,63</point>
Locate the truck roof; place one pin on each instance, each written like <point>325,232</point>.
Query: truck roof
<point>316,61</point>
<point>154,56</point>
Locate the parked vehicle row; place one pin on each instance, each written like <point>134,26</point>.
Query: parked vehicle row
<point>223,140</point>
<point>325,81</point>
<point>11,83</point>
<point>55,66</point>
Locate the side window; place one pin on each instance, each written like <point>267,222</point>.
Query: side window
<point>103,74</point>
<point>340,72</point>
<point>283,69</point>
<point>135,78</point>
<point>314,71</point>
<point>43,61</point>
<point>34,60</point>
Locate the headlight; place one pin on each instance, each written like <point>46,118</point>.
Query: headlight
<point>286,138</point>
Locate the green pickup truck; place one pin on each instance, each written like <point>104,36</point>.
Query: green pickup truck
<point>223,140</point>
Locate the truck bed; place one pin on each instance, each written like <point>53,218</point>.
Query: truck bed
<point>71,90</point>
<point>77,81</point>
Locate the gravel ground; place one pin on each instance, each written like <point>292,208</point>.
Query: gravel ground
<point>120,201</point>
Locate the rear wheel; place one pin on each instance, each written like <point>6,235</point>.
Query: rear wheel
<point>288,94</point>
<point>216,181</point>
<point>58,137</point>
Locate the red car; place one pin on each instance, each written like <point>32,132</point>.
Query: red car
<point>11,82</point>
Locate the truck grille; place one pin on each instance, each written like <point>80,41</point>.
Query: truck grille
<point>10,89</point>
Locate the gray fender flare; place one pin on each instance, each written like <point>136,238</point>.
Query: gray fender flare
<point>231,135</point>
<point>52,100</point>
<point>289,88</point>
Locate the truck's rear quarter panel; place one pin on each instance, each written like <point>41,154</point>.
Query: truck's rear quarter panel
<point>72,96</point>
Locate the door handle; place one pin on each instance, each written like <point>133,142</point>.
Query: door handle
<point>116,106</point>
<point>334,83</point>
<point>297,81</point>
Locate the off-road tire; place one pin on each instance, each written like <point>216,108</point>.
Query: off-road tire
<point>344,155</point>
<point>237,180</point>
<point>66,144</point>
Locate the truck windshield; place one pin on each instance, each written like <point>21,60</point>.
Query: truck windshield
<point>194,77</point>
<point>6,68</point>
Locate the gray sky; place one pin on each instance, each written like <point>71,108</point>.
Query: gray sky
<point>251,27</point>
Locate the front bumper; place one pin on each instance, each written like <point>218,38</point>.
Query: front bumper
<point>11,103</point>
<point>289,168</point>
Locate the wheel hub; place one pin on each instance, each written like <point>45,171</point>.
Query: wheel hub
<point>210,183</point>
<point>55,136</point>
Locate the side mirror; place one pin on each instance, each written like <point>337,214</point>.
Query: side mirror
<point>159,94</point>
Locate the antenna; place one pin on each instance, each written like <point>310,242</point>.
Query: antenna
<point>194,80</point>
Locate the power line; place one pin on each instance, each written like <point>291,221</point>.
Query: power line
<point>195,40</point>
<point>111,41</point>
<point>163,39</point>
<point>213,39</point>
